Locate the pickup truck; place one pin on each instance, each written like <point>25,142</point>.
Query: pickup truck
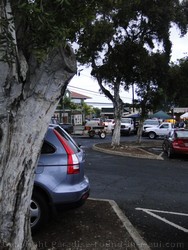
<point>159,131</point>
<point>127,126</point>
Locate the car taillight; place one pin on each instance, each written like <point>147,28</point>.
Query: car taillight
<point>73,162</point>
<point>179,143</point>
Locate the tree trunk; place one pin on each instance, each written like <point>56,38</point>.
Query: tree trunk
<point>25,110</point>
<point>139,132</point>
<point>142,118</point>
<point>118,109</point>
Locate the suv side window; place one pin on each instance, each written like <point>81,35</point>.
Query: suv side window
<point>47,148</point>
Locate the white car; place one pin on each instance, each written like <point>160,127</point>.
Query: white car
<point>127,126</point>
<point>150,123</point>
<point>159,131</point>
<point>109,123</point>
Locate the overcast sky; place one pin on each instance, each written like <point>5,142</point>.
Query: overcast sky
<point>86,85</point>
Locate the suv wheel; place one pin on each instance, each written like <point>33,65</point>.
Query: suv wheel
<point>39,211</point>
<point>152,135</point>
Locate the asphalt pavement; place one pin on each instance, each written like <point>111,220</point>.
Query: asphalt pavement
<point>137,241</point>
<point>145,191</point>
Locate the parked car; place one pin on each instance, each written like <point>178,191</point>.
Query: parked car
<point>159,131</point>
<point>150,123</point>
<point>59,176</point>
<point>68,127</point>
<point>127,126</point>
<point>108,123</point>
<point>176,142</point>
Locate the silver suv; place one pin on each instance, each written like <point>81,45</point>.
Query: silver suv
<point>59,176</point>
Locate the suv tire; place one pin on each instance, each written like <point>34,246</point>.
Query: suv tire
<point>39,211</point>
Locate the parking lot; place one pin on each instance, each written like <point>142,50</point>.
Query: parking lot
<point>152,194</point>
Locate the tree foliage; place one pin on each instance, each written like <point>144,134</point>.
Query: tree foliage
<point>121,40</point>
<point>36,65</point>
<point>177,85</point>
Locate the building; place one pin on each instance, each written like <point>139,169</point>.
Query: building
<point>67,115</point>
<point>78,98</point>
<point>177,112</point>
<point>109,112</point>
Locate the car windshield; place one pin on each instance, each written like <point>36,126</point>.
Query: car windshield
<point>125,120</point>
<point>182,134</point>
<point>151,122</point>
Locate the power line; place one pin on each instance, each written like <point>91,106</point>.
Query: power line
<point>91,92</point>
<point>96,93</point>
<point>83,89</point>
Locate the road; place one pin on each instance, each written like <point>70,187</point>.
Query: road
<point>152,193</point>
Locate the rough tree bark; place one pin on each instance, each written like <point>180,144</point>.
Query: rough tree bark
<point>117,103</point>
<point>118,109</point>
<point>29,94</point>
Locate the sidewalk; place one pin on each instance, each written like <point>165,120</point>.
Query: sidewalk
<point>97,225</point>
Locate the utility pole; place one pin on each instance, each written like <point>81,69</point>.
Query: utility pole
<point>133,96</point>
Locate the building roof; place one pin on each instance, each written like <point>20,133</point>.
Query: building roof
<point>75,95</point>
<point>111,110</point>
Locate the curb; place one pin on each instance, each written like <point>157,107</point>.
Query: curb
<point>147,154</point>
<point>139,241</point>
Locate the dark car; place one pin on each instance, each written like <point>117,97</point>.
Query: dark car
<point>176,142</point>
<point>59,177</point>
<point>68,127</point>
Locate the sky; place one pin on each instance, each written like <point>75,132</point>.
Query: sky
<point>87,85</point>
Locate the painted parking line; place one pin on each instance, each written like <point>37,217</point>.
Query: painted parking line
<point>153,212</point>
<point>139,241</point>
